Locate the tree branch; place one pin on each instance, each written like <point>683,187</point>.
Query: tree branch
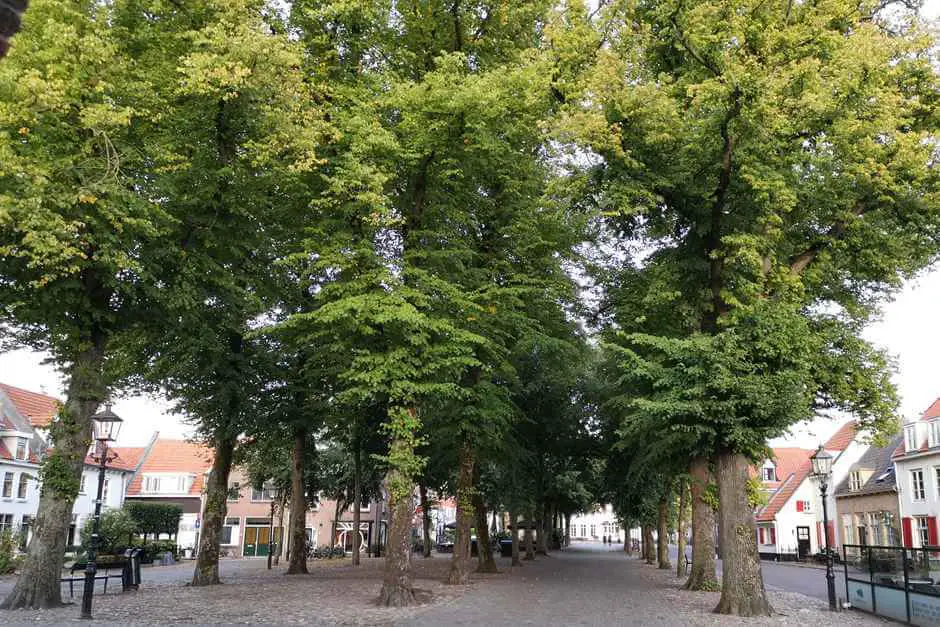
<point>800,261</point>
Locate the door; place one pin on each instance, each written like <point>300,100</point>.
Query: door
<point>251,542</point>
<point>264,541</point>
<point>802,542</point>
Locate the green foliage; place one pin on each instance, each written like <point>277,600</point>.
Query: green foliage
<point>8,559</point>
<point>115,529</point>
<point>153,518</point>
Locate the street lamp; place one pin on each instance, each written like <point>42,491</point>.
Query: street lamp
<point>105,428</point>
<point>822,467</point>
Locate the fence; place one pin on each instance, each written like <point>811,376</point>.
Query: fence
<point>899,583</point>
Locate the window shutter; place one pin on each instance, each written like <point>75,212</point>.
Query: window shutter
<point>773,535</point>
<point>932,531</point>
<point>760,534</point>
<point>799,506</point>
<point>908,533</point>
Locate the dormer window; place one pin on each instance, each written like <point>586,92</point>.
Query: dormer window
<point>768,472</point>
<point>933,433</point>
<point>167,484</point>
<point>910,437</point>
<point>22,448</point>
<point>855,481</point>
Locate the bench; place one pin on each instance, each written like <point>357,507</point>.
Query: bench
<point>107,567</point>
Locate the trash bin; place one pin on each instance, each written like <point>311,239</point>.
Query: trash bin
<point>130,577</point>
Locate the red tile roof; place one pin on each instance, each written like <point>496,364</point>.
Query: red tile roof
<point>168,456</point>
<point>932,412</point>
<point>841,439</point>
<point>120,458</point>
<point>38,408</point>
<point>793,465</point>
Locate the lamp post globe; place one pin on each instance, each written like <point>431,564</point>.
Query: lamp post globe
<point>106,425</point>
<point>822,468</point>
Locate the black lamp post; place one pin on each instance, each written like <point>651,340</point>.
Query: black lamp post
<point>105,428</point>
<point>822,467</point>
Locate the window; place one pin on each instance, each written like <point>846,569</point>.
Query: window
<point>22,448</point>
<point>803,506</point>
<point>167,484</point>
<point>365,508</point>
<point>593,531</point>
<point>81,486</point>
<point>266,493</point>
<point>855,481</point>
<point>23,486</point>
<point>936,474</point>
<point>918,493</point>
<point>933,435</point>
<point>923,531</point>
<point>773,535</point>
<point>6,522</point>
<point>8,485</point>
<point>230,524</point>
<point>910,437</point>
<point>583,531</point>
<point>876,529</point>
<point>769,473</point>
<point>760,535</point>
<point>848,534</point>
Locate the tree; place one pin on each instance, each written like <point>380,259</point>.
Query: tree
<point>777,159</point>
<point>115,530</point>
<point>78,245</point>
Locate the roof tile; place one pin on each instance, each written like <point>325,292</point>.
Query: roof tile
<point>175,456</point>
<point>38,408</point>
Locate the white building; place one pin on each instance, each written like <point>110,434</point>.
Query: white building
<point>594,525</point>
<point>21,448</point>
<point>791,524</point>
<point>917,470</point>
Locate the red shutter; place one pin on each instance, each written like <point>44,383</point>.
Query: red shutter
<point>773,535</point>
<point>832,535</point>
<point>908,534</point>
<point>932,531</point>
<point>799,506</point>
<point>820,540</point>
<point>760,534</point>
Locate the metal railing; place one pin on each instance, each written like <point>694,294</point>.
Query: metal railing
<point>897,582</point>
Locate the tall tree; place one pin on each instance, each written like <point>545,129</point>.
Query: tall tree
<point>783,171</point>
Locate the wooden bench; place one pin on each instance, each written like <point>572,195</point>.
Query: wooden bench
<point>107,567</point>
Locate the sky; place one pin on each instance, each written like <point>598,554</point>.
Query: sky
<point>908,330</point>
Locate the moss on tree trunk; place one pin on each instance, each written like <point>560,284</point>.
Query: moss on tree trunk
<point>702,576</point>
<point>297,564</point>
<point>213,514</point>
<point>397,590</point>
<point>742,585</point>
<point>460,562</point>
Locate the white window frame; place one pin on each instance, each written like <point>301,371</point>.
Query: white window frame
<point>922,530</point>
<point>265,495</point>
<point>921,495</point>
<point>22,446</point>
<point>855,481</point>
<point>81,484</point>
<point>8,481</point>
<point>910,437</point>
<point>22,487</point>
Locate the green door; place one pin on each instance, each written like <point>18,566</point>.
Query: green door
<point>251,542</point>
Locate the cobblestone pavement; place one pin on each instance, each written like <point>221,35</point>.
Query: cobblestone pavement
<point>580,586</point>
<point>588,585</point>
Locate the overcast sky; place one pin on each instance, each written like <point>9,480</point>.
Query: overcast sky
<point>908,330</point>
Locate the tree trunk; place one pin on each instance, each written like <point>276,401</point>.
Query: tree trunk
<point>529,542</point>
<point>297,565</point>
<point>397,590</point>
<point>486,562</point>
<point>702,576</point>
<point>460,563</point>
<point>515,539</point>
<point>742,585</point>
<point>39,586</point>
<point>648,550</point>
<point>680,529</point>
<point>567,529</point>
<point>541,538</point>
<point>425,521</point>
<point>336,513</point>
<point>357,502</point>
<point>662,533</point>
<point>282,505</point>
<point>627,540</point>
<point>213,514</point>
